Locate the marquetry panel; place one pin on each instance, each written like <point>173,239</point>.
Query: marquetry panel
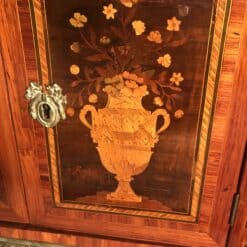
<point>35,159</point>
<point>62,166</point>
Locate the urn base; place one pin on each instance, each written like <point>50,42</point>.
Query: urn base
<point>124,192</point>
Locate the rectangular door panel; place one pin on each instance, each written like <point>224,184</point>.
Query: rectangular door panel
<point>146,114</point>
<point>12,197</point>
<point>131,70</point>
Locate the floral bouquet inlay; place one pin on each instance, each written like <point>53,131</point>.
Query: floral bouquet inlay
<point>127,61</point>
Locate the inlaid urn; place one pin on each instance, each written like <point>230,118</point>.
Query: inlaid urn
<point>125,134</point>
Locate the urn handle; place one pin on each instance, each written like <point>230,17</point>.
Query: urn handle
<point>165,115</point>
<point>83,113</point>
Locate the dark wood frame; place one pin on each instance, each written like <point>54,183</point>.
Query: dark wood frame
<point>224,159</point>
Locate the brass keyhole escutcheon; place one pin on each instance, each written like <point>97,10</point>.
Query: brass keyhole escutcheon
<point>47,108</point>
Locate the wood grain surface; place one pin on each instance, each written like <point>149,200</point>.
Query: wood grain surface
<point>185,138</point>
<point>223,163</point>
<point>67,239</point>
<point>238,233</point>
<point>236,131</point>
<point>12,196</point>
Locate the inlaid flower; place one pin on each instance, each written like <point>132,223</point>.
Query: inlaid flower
<point>129,3</point>
<point>117,78</point>
<point>176,78</point>
<point>113,80</point>
<point>138,26</point>
<point>179,114</point>
<point>173,24</point>
<point>131,84</point>
<point>158,101</point>
<point>140,80</point>
<point>133,77</point>
<point>165,60</point>
<point>74,69</point>
<point>70,111</point>
<point>93,98</point>
<point>120,85</point>
<point>105,40</point>
<point>126,74</point>
<point>140,91</point>
<point>108,80</point>
<point>75,47</point>
<point>126,91</point>
<point>78,20</point>
<point>109,89</point>
<point>109,11</point>
<point>155,36</point>
<point>133,90</point>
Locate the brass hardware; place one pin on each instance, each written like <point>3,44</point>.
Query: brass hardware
<point>234,209</point>
<point>46,107</point>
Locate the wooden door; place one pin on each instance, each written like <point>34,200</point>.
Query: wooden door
<point>12,196</point>
<point>182,173</point>
<point>238,232</point>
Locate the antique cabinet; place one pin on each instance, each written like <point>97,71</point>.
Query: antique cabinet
<point>123,119</point>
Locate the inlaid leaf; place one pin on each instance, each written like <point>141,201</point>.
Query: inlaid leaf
<point>101,71</point>
<point>131,15</point>
<point>176,97</point>
<point>177,43</point>
<point>117,32</point>
<point>92,34</point>
<point>177,89</point>
<point>97,58</point>
<point>148,74</point>
<point>137,69</point>
<point>75,83</point>
<point>163,76</point>
<point>110,70</point>
<point>154,88</point>
<point>87,72</point>
<point>80,100</point>
<point>98,85</point>
<point>168,105</point>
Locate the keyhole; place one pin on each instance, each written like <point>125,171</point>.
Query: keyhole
<point>45,112</point>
